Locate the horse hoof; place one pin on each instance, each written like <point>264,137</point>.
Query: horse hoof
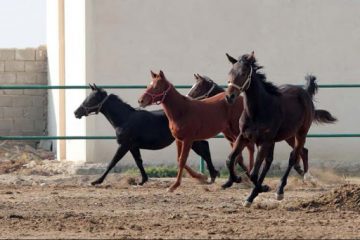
<point>279,197</point>
<point>214,176</point>
<point>96,183</point>
<point>247,204</point>
<point>238,180</point>
<point>170,190</point>
<point>265,188</point>
<point>227,184</point>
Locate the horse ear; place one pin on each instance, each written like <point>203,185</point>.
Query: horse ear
<point>251,57</point>
<point>231,59</point>
<point>96,87</point>
<point>161,74</point>
<point>91,86</point>
<point>153,75</point>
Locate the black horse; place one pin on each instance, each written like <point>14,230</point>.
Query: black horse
<point>133,132</point>
<point>271,114</point>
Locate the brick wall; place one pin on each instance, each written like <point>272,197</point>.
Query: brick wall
<point>23,112</point>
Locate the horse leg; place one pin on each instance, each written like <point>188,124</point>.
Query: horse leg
<point>304,157</point>
<point>266,151</point>
<point>294,155</point>
<point>120,153</point>
<point>251,150</point>
<point>202,149</point>
<point>139,163</point>
<point>185,148</point>
<point>201,177</point>
<point>239,145</point>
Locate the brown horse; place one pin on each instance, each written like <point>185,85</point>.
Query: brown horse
<point>271,114</point>
<point>192,120</point>
<point>205,87</point>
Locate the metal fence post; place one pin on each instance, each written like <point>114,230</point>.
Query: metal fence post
<point>202,165</point>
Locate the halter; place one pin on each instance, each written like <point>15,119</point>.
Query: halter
<point>246,84</point>
<point>206,95</point>
<point>96,107</point>
<point>161,95</point>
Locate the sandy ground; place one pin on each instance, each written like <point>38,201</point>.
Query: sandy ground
<point>65,206</point>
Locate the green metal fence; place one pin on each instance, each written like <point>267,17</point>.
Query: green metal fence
<point>53,87</point>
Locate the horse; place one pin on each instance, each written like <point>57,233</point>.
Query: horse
<point>191,120</point>
<point>271,114</point>
<point>137,129</point>
<point>205,87</point>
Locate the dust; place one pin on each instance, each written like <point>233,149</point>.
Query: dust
<point>345,197</point>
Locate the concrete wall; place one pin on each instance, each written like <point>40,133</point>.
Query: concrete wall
<point>127,38</point>
<point>23,112</point>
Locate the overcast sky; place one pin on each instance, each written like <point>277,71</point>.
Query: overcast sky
<point>22,23</point>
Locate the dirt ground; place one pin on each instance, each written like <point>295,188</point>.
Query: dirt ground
<point>66,206</point>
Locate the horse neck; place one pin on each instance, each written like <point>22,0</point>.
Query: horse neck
<point>216,91</point>
<point>255,97</point>
<point>174,104</point>
<point>116,111</point>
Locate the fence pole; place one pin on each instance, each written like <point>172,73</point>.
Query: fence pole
<point>202,165</point>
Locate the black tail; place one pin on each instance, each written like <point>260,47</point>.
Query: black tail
<point>323,116</point>
<point>311,86</point>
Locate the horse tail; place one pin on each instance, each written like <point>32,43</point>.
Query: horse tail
<point>311,86</point>
<point>323,116</point>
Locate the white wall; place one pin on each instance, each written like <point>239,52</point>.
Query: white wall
<point>127,38</point>
<point>52,31</point>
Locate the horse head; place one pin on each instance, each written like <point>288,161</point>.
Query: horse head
<point>202,88</point>
<point>92,103</point>
<point>157,90</point>
<point>240,75</point>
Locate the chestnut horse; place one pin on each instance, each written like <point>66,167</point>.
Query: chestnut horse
<point>205,87</point>
<point>271,114</point>
<point>191,120</point>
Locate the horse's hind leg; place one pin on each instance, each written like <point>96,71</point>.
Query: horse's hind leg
<point>303,155</point>
<point>202,149</point>
<point>139,163</point>
<point>185,148</point>
<point>120,152</point>
<point>294,156</point>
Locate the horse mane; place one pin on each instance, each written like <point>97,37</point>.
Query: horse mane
<point>122,102</point>
<point>269,86</point>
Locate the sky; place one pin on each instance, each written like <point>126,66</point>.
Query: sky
<point>22,23</point>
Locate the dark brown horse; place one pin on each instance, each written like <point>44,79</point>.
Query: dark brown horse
<point>203,88</point>
<point>271,114</point>
<point>191,120</point>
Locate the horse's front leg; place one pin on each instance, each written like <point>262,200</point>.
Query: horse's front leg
<point>184,146</point>
<point>120,153</point>
<point>251,150</point>
<point>239,145</point>
<point>266,150</point>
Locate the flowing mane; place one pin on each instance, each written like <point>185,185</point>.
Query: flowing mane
<point>269,86</point>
